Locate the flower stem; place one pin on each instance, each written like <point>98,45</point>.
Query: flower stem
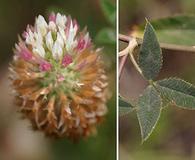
<point>129,50</point>
<point>122,63</point>
<point>135,63</point>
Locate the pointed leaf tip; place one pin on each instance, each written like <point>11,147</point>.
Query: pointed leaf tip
<point>150,56</point>
<point>148,113</point>
<point>124,106</point>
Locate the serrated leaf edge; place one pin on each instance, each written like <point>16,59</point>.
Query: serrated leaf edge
<point>161,60</point>
<point>173,102</point>
<point>125,100</point>
<point>144,139</point>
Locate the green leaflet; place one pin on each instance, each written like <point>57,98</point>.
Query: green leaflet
<point>124,106</point>
<point>165,102</point>
<point>150,56</point>
<point>178,29</point>
<point>106,36</point>
<point>149,109</point>
<point>109,10</point>
<point>177,91</point>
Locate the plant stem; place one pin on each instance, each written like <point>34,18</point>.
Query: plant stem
<point>135,63</point>
<point>166,46</point>
<point>132,44</point>
<point>129,50</point>
<point>122,63</point>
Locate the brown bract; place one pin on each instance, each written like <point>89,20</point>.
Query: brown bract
<point>59,114</point>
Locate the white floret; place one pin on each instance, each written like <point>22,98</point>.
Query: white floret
<point>41,25</point>
<point>52,26</point>
<point>70,42</point>
<point>57,50</point>
<point>60,39</point>
<point>61,20</point>
<point>30,38</point>
<point>49,40</point>
<point>39,50</point>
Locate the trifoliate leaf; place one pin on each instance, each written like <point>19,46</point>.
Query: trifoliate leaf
<point>150,56</point>
<point>148,112</point>
<point>124,106</point>
<point>177,91</point>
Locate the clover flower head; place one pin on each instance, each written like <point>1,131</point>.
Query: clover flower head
<point>58,78</point>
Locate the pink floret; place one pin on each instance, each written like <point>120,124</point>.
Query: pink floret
<point>67,60</point>
<point>52,17</point>
<point>23,52</point>
<point>60,78</point>
<point>45,66</point>
<point>81,44</point>
<point>26,54</point>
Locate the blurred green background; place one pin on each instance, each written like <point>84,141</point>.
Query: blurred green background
<point>174,135</point>
<point>17,141</point>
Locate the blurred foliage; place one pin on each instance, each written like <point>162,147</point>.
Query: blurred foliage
<point>107,35</point>
<point>175,30</point>
<point>109,10</point>
<point>132,13</point>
